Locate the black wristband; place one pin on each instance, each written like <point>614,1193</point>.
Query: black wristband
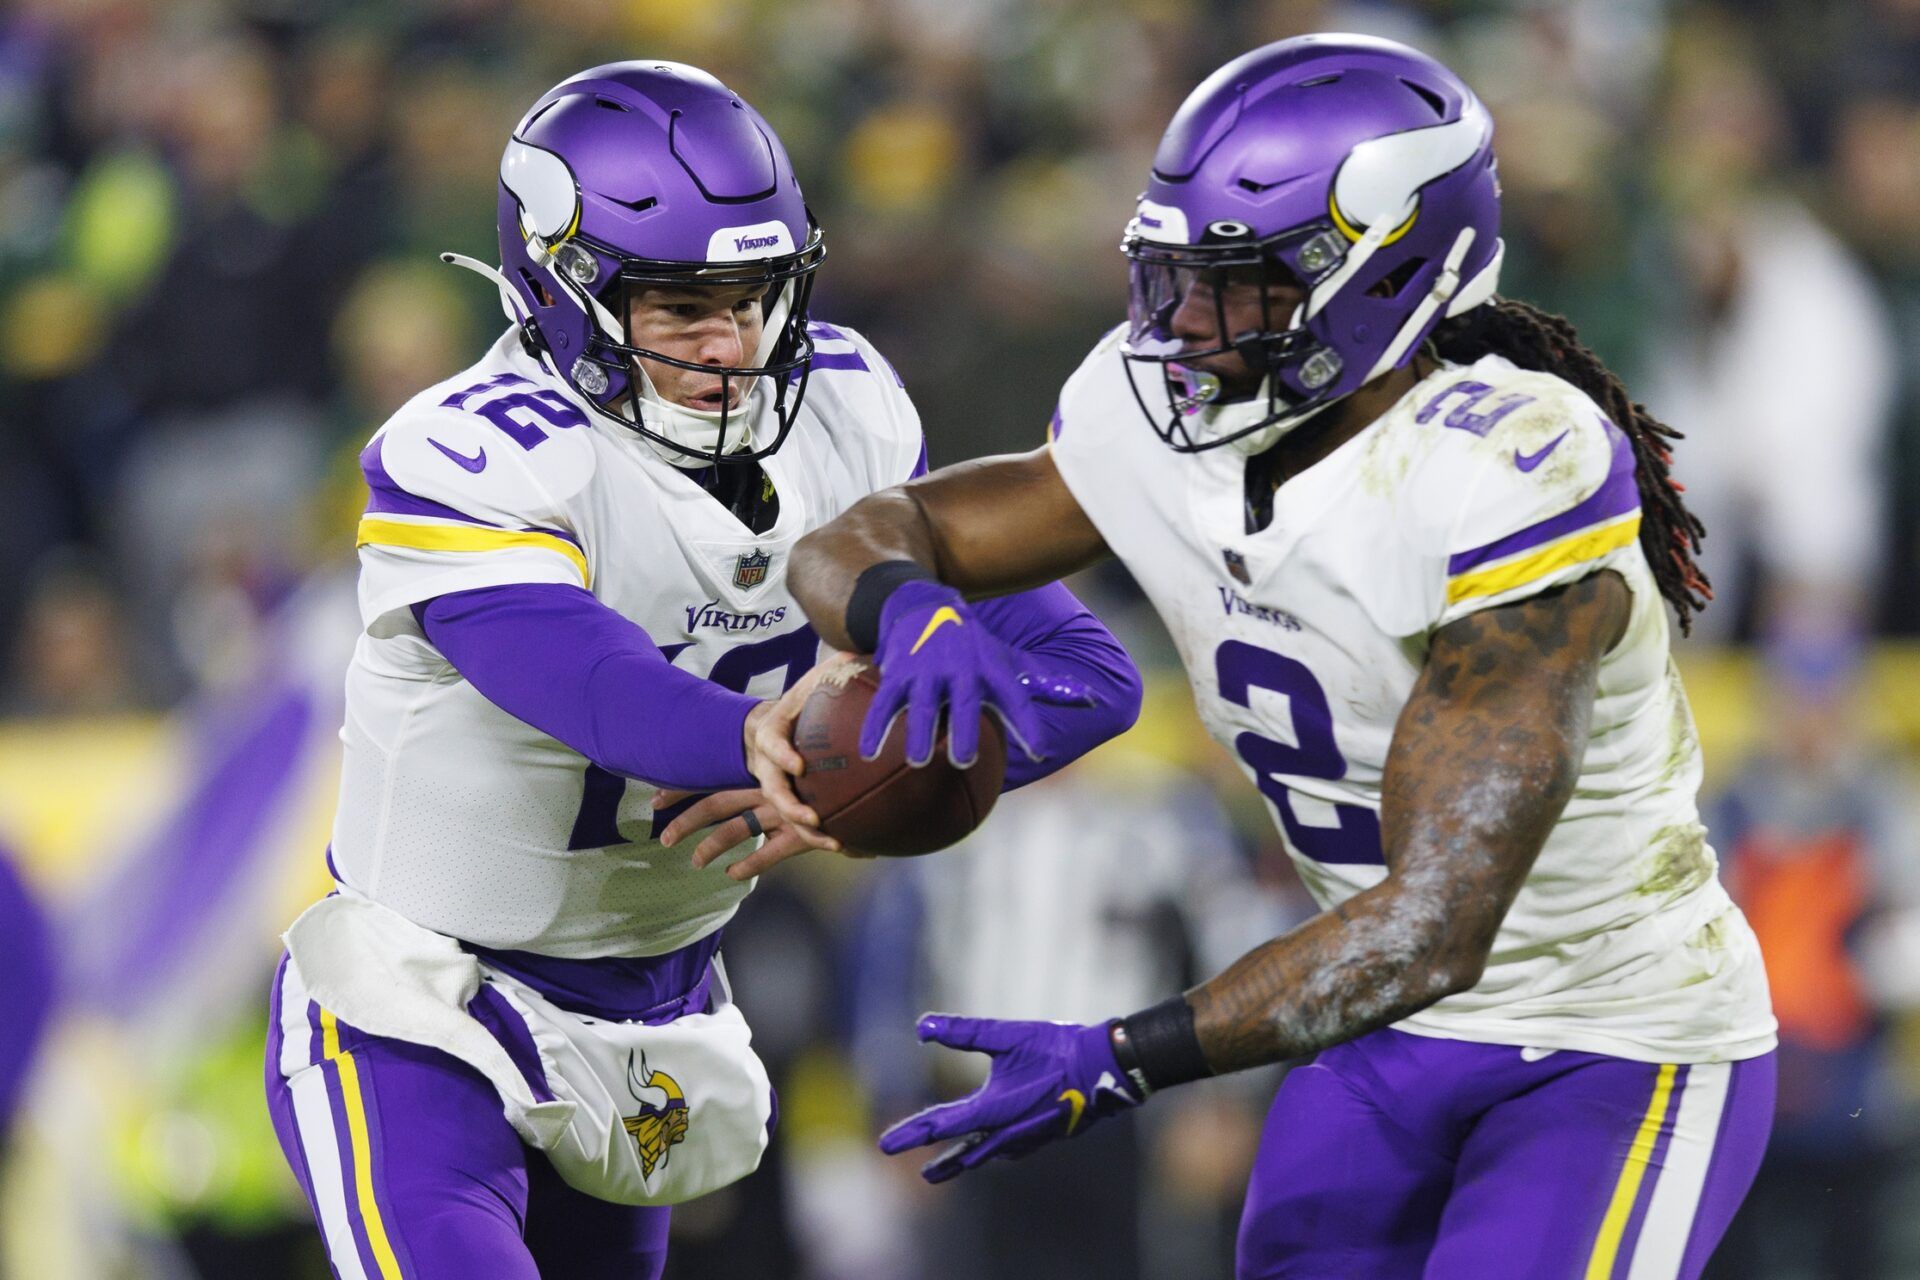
<point>1158,1046</point>
<point>870,591</point>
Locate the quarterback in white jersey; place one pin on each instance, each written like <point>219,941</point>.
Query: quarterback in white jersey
<point>505,1044</point>
<point>1417,550</point>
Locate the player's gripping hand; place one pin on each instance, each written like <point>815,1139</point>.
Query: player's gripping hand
<point>736,817</point>
<point>934,653</point>
<point>1049,1080</point>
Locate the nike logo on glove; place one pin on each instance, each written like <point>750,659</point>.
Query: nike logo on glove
<point>941,616</point>
<point>1528,461</point>
<point>476,464</point>
<point>1078,1102</point>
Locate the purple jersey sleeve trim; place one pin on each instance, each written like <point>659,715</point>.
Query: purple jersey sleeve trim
<point>1058,636</point>
<point>1618,494</point>
<point>558,659</point>
<point>851,361</point>
<point>385,497</point>
<point>920,464</point>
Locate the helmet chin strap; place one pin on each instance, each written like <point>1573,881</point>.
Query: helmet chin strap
<point>1446,290</point>
<point>508,302</point>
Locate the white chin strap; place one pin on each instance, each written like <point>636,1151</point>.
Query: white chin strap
<point>1447,292</point>
<point>509,303</point>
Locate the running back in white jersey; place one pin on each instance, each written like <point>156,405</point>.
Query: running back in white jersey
<point>471,822</point>
<point>1483,485</point>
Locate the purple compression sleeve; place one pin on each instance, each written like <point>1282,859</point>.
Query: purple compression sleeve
<point>1062,638</point>
<point>557,658</point>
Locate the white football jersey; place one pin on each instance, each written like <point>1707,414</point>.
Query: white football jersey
<point>465,819</point>
<point>1485,484</point>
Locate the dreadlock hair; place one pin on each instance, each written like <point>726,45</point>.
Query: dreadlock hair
<point>1546,343</point>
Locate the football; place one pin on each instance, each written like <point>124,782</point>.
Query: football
<point>884,806</point>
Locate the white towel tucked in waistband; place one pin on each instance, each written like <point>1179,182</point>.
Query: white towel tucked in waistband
<point>643,1114</point>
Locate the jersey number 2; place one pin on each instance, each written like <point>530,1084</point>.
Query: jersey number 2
<point>597,825</point>
<point>1242,668</point>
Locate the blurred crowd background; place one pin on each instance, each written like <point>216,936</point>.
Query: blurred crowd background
<point>218,229</point>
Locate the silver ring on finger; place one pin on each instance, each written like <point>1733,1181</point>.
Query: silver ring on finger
<point>753,824</point>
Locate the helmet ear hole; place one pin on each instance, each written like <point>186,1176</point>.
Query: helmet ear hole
<point>1394,281</point>
<point>536,287</point>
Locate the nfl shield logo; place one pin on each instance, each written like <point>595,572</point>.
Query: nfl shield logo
<point>750,570</point>
<point>1237,566</point>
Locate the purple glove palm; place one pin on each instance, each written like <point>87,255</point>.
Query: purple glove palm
<point>1049,1080</point>
<point>934,653</point>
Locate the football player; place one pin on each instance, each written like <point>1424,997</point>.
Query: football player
<point>1417,549</point>
<point>505,1043</point>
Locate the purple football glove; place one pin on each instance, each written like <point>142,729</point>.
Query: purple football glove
<point>933,653</point>
<point>1049,1080</point>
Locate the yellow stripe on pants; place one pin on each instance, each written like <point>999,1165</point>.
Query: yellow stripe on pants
<point>356,1110</point>
<point>1607,1246</point>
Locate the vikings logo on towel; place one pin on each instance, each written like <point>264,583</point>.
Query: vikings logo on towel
<point>661,1122</point>
<point>750,570</point>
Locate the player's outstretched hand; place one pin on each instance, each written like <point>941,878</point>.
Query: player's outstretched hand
<point>934,653</point>
<point>1049,1080</point>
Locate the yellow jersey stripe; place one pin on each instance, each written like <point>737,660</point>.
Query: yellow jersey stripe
<point>463,537</point>
<point>1606,1247</point>
<point>1589,544</point>
<point>355,1107</point>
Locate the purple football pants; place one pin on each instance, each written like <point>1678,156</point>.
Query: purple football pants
<point>411,1169</point>
<point>1399,1156</point>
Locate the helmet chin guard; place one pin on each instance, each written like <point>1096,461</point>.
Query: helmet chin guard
<point>1357,172</point>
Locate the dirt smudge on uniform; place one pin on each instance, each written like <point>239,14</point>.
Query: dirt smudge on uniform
<point>1683,740</point>
<point>1677,863</point>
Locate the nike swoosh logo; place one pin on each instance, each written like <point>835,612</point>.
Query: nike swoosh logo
<point>476,464</point>
<point>941,617</point>
<point>1078,1102</point>
<point>1528,461</point>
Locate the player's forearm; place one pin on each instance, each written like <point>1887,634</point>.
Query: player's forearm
<point>881,527</point>
<point>559,660</point>
<point>987,528</point>
<point>1381,956</point>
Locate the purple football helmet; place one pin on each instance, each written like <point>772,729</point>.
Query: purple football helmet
<point>1356,168</point>
<point>637,174</point>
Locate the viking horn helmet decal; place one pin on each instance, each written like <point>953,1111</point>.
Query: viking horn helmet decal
<point>545,189</point>
<point>1380,180</point>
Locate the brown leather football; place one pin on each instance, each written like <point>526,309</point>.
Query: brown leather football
<point>883,805</point>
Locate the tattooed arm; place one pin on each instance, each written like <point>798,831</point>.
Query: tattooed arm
<point>1483,760</point>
